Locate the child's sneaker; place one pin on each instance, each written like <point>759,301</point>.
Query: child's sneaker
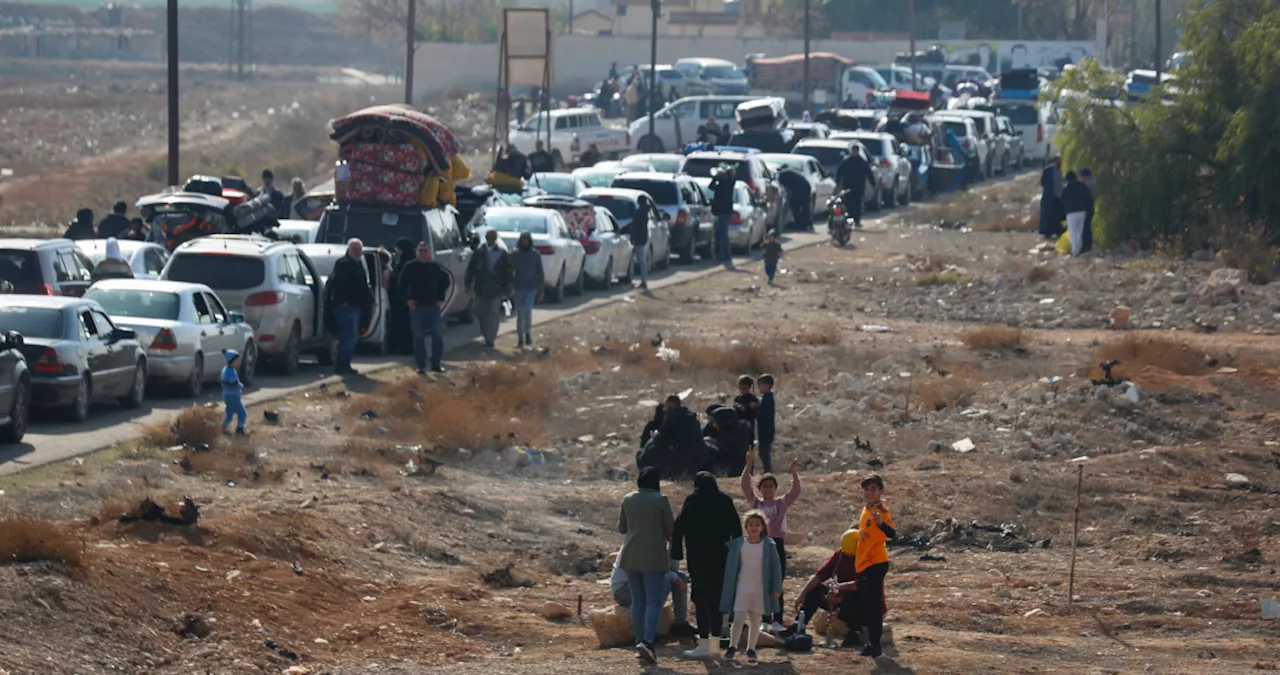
<point>730,653</point>
<point>751,657</point>
<point>241,432</point>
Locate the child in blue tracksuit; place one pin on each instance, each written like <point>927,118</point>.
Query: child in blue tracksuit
<point>231,388</point>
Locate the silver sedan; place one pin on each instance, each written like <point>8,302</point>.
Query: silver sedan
<point>183,327</point>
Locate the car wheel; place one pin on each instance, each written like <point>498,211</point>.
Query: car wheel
<point>666,256</point>
<point>631,268</point>
<point>878,199</point>
<point>580,284</point>
<point>1004,166</point>
<point>248,363</point>
<point>905,199</point>
<point>891,199</point>
<point>79,410</point>
<point>138,391</point>
<point>686,252</point>
<point>557,293</point>
<point>18,414</point>
<point>650,144</point>
<point>607,282</point>
<point>287,362</point>
<point>195,381</point>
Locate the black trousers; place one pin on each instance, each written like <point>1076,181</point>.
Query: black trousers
<point>871,600</point>
<point>782,558</point>
<point>1087,243</point>
<point>853,205</point>
<point>765,448</point>
<point>847,611</point>
<point>705,593</point>
<point>800,210</point>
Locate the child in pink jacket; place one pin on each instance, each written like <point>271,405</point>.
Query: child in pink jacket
<point>775,508</point>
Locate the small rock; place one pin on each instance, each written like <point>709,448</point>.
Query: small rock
<point>193,625</point>
<point>963,445</point>
<point>1237,480</point>
<point>928,464</point>
<point>1015,476</point>
<point>1119,318</point>
<point>1024,454</point>
<point>1179,298</point>
<point>554,611</point>
<point>1035,612</point>
<point>937,446</point>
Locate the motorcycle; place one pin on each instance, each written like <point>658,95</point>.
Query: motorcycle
<point>838,221</point>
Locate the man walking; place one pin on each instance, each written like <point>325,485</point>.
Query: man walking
<point>490,276</point>
<point>639,233</point>
<point>852,175</point>
<point>1077,201</point>
<point>1051,186</point>
<point>799,196</point>
<point>530,280</point>
<point>351,297</point>
<point>722,208</point>
<point>425,286</point>
<point>115,224</point>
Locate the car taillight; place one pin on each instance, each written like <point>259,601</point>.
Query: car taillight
<point>573,147</point>
<point>884,162</point>
<point>1040,133</point>
<point>264,298</point>
<point>590,246</point>
<point>752,186</point>
<point>966,143</point>
<point>545,249</point>
<point>682,218</point>
<point>735,219</point>
<point>165,341</point>
<point>47,289</point>
<point>49,362</point>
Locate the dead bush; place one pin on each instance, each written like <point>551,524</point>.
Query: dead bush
<point>1039,273</point>
<point>24,539</point>
<point>995,337</point>
<point>225,465</point>
<point>941,279</point>
<point>1247,246</point>
<point>826,333</point>
<point>954,391</point>
<point>933,262</point>
<point>1007,223</point>
<point>735,359</point>
<point>194,426</point>
<point>1137,350</point>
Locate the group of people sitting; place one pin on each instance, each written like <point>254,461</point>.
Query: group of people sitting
<point>676,445</point>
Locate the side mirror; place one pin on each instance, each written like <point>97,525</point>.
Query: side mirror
<point>1018,132</point>
<point>124,334</point>
<point>235,317</point>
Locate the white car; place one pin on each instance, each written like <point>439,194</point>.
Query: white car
<point>1036,124</point>
<point>623,204</point>
<point>966,130</point>
<point>831,152</point>
<point>304,231</point>
<point>993,145</point>
<point>377,271</point>
<point>749,221</point>
<point>573,130</point>
<point>559,184</point>
<point>688,114</point>
<point>563,257</point>
<point>858,81</point>
<point>146,259</point>
<point>668,77</point>
<point>184,328</point>
<point>713,76</point>
<point>609,251</point>
<point>890,164</point>
<point>660,162</point>
<point>822,184</point>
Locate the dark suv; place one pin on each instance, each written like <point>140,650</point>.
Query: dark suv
<point>43,267</point>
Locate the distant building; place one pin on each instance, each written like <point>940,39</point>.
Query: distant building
<point>593,22</point>
<point>698,18</point>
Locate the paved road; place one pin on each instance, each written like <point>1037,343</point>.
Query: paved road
<point>51,440</point>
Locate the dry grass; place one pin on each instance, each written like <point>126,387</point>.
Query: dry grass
<point>1137,350</point>
<point>995,337</point>
<point>225,464</point>
<point>1039,273</point>
<point>24,539</point>
<point>941,279</point>
<point>743,358</point>
<point>933,262</point>
<point>825,333</point>
<point>954,391</point>
<point>195,426</point>
<point>1006,223</point>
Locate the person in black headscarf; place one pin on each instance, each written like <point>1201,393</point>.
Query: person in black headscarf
<point>707,521</point>
<point>398,341</point>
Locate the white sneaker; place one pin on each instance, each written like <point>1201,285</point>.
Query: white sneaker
<point>765,628</point>
<point>776,628</point>
<point>702,651</point>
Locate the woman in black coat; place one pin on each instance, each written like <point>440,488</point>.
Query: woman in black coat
<point>399,341</point>
<point>707,522</point>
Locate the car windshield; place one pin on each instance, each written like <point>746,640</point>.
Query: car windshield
<point>777,163</point>
<point>662,164</point>
<point>662,191</point>
<point>598,179</point>
<point>515,222</point>
<point>20,267</point>
<point>874,146</point>
<point>876,79</point>
<point>723,72</point>
<point>138,304</point>
<point>33,322</point>
<point>704,167</point>
<point>622,209</point>
<point>1020,115</point>
<point>216,270</point>
<point>829,158</point>
<point>555,184</point>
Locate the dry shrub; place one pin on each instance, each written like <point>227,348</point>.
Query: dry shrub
<point>1039,273</point>
<point>24,539</point>
<point>826,333</point>
<point>933,262</point>
<point>194,426</point>
<point>941,279</point>
<point>1008,223</point>
<point>737,359</point>
<point>228,464</point>
<point>954,391</point>
<point>629,352</point>
<point>993,337</point>
<point>1137,350</point>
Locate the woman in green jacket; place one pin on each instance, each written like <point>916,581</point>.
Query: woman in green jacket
<point>647,522</point>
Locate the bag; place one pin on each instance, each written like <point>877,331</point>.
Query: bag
<point>800,641</point>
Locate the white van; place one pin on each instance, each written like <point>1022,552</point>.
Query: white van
<point>858,81</point>
<point>712,76</point>
<point>688,114</point>
<point>573,130</point>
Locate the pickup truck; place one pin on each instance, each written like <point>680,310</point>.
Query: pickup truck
<point>573,130</point>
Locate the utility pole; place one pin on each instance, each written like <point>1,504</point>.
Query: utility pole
<point>410,36</point>
<point>911,8</point>
<point>1159,46</point>
<point>807,88</point>
<point>240,39</point>
<point>1018,32</point>
<point>174,120</point>
<point>655,9</point>
<point>570,17</point>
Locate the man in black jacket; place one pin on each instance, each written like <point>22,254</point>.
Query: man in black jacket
<point>677,447</point>
<point>799,196</point>
<point>541,161</point>
<point>722,208</point>
<point>425,287</point>
<point>115,224</point>
<point>81,227</point>
<point>852,176</point>
<point>733,440</point>
<point>638,230</point>
<point>1077,202</point>
<point>351,297</point>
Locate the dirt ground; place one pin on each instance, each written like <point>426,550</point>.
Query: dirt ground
<point>79,134</point>
<point>1173,561</point>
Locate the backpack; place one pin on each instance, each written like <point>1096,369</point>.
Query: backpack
<point>801,641</point>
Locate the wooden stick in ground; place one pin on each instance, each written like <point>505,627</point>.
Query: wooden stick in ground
<point>1075,533</point>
